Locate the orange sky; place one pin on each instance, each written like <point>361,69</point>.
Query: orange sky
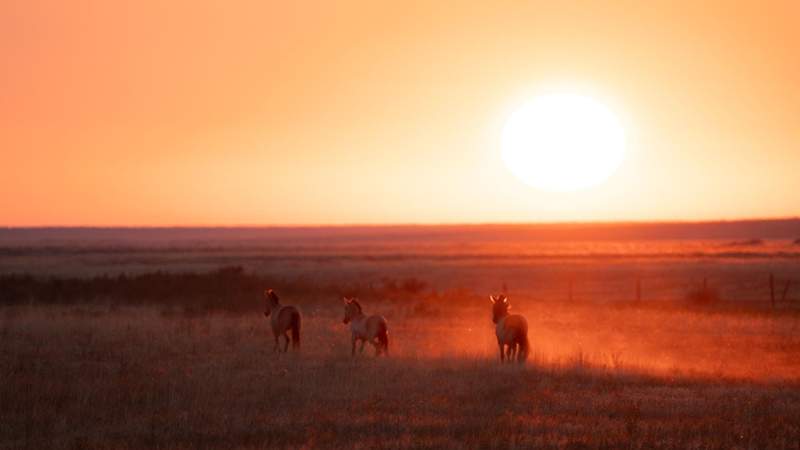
<point>207,112</point>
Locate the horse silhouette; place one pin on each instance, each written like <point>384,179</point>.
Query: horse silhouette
<point>283,319</point>
<point>511,330</point>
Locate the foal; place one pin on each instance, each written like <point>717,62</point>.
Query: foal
<point>283,320</point>
<point>363,328</point>
<point>511,330</point>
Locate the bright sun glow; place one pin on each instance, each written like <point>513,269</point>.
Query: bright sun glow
<point>563,142</point>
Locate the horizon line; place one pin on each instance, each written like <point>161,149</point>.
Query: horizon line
<point>418,224</point>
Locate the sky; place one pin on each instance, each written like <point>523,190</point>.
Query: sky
<point>273,113</point>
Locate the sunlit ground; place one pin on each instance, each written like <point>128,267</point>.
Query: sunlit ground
<point>94,376</point>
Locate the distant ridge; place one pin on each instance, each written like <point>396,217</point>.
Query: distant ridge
<point>734,230</point>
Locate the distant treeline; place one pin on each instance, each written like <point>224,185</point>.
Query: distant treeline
<point>226,289</point>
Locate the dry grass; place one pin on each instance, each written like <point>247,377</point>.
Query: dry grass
<point>94,377</point>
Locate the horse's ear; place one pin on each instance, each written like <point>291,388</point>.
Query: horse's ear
<point>267,292</point>
<point>271,294</point>
<point>504,299</point>
<point>491,299</point>
<point>345,300</point>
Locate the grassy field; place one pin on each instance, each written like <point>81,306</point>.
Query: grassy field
<point>157,339</point>
<point>609,277</point>
<point>94,376</point>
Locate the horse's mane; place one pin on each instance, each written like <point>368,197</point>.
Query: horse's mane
<point>358,305</point>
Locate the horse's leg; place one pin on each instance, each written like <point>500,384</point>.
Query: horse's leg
<point>502,350</point>
<point>286,344</point>
<point>361,350</point>
<point>353,342</point>
<point>277,347</point>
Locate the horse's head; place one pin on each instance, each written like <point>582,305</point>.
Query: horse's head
<point>272,301</point>
<point>500,307</point>
<point>351,309</point>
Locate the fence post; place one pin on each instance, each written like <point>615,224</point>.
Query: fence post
<point>785,290</point>
<point>772,289</point>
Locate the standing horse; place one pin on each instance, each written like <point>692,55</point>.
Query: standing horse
<point>283,319</point>
<point>511,330</point>
<point>372,329</point>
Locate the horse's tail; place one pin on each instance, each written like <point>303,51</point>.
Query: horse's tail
<point>524,349</point>
<point>383,338</point>
<point>295,329</point>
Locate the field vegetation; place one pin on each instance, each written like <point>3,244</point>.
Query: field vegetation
<point>167,347</point>
<point>95,376</point>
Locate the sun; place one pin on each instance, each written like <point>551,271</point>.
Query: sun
<point>563,142</point>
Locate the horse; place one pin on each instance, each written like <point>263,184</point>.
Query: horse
<point>283,319</point>
<point>511,330</point>
<point>372,329</point>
